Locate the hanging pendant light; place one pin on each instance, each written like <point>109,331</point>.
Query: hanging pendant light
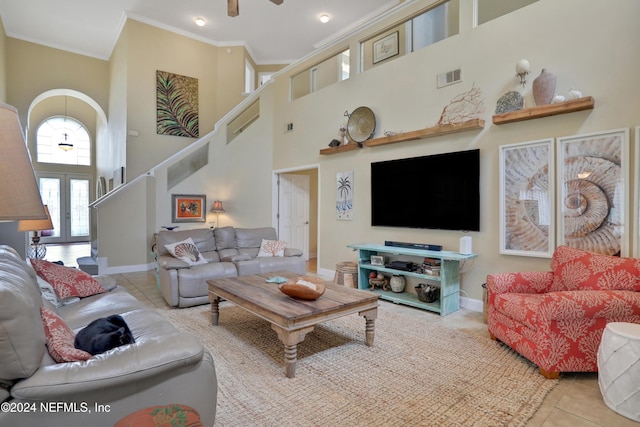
<point>65,144</point>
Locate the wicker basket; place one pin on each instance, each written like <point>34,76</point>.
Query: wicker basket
<point>427,293</point>
<point>346,274</point>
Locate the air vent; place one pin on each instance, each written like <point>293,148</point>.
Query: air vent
<point>450,77</point>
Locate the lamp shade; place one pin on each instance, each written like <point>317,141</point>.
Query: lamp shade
<point>217,207</point>
<point>36,224</point>
<point>19,193</point>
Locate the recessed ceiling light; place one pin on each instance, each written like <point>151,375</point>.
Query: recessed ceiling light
<point>324,18</point>
<point>200,21</point>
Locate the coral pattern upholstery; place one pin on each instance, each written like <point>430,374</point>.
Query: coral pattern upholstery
<point>556,318</point>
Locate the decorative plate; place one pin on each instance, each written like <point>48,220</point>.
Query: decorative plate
<point>361,124</point>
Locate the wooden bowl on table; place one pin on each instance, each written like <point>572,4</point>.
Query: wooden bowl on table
<point>303,287</point>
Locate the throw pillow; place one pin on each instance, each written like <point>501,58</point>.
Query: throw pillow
<point>186,251</point>
<point>576,269</point>
<point>66,281</point>
<point>272,248</point>
<point>60,338</point>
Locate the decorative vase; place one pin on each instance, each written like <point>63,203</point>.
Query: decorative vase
<point>397,283</point>
<point>544,87</point>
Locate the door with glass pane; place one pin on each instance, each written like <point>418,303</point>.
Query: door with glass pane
<point>67,197</point>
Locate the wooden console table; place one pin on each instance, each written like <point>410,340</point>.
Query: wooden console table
<point>448,280</point>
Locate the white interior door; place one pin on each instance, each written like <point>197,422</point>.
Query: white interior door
<point>293,211</point>
<point>67,197</point>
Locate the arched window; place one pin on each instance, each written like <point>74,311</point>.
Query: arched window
<point>63,140</point>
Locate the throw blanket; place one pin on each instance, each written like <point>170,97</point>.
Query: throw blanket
<point>104,334</point>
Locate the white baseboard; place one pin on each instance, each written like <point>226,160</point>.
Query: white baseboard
<point>103,267</point>
<point>471,304</point>
<point>326,273</point>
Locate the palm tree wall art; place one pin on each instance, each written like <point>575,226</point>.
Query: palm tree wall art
<point>344,195</point>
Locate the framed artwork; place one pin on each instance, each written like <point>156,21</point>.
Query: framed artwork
<point>385,48</point>
<point>527,199</point>
<point>188,208</point>
<point>344,195</point>
<point>593,212</point>
<point>176,105</point>
<point>377,260</point>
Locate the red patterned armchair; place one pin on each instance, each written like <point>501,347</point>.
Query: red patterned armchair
<point>556,318</point>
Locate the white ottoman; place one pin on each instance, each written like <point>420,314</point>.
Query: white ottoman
<point>619,368</point>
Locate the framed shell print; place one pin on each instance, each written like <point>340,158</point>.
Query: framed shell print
<point>593,187</point>
<point>527,193</point>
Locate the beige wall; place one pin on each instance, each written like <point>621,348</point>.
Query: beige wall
<point>220,83</point>
<point>404,97</point>
<point>34,69</point>
<point>128,227</point>
<point>8,230</point>
<point>3,64</point>
<point>112,150</point>
<point>572,43</point>
<point>238,173</point>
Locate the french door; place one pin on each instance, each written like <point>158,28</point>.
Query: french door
<point>67,197</point>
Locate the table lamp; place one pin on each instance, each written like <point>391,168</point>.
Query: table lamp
<point>217,209</point>
<point>19,193</point>
<point>36,249</point>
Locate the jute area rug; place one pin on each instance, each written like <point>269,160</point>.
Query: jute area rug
<point>416,374</point>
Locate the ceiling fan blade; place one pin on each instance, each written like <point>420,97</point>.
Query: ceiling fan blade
<point>232,8</point>
<point>277,1</point>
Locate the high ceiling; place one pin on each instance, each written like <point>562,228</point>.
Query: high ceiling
<point>272,33</point>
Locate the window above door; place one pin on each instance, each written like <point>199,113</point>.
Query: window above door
<point>63,140</point>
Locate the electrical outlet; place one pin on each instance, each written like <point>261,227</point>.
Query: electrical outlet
<point>288,127</point>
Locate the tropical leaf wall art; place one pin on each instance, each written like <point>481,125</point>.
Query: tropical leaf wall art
<point>177,105</point>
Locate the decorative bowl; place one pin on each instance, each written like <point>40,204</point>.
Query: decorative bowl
<point>303,287</point>
<point>361,124</point>
<point>427,293</point>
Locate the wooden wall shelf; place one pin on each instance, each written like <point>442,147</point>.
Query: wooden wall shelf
<point>427,133</point>
<point>580,104</point>
<point>341,148</point>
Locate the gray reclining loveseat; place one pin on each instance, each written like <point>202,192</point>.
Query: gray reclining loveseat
<point>229,252</point>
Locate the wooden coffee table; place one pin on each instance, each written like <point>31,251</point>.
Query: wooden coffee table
<point>292,319</point>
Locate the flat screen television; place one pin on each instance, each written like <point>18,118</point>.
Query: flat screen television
<point>440,191</point>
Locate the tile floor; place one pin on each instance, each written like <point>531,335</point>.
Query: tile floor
<point>575,402</point>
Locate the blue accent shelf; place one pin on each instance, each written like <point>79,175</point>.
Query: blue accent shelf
<point>448,280</point>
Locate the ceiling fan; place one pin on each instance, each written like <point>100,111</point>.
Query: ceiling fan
<point>232,6</point>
